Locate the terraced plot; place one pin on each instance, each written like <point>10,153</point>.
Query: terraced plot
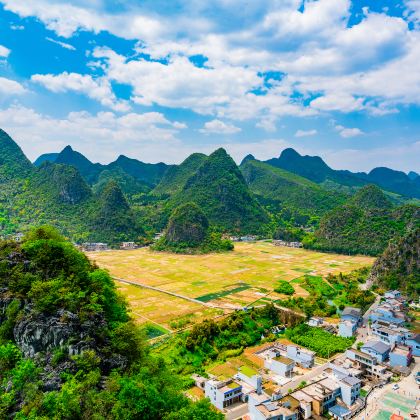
<point>229,280</point>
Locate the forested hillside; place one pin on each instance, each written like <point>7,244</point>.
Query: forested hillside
<point>399,266</point>
<point>68,348</point>
<point>57,194</point>
<point>364,224</point>
<point>285,190</point>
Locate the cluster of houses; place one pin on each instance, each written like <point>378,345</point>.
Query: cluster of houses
<point>335,386</point>
<point>336,391</point>
<point>280,242</point>
<point>100,246</point>
<point>246,238</point>
<point>390,345</point>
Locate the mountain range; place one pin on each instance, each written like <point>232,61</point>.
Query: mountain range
<point>132,200</point>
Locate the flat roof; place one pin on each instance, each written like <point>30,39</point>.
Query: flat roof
<point>283,359</point>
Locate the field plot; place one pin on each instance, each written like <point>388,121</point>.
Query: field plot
<point>238,278</point>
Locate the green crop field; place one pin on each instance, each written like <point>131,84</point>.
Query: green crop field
<point>225,280</point>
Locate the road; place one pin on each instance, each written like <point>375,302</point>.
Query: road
<point>407,389</point>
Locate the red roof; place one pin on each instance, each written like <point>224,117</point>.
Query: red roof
<point>396,417</point>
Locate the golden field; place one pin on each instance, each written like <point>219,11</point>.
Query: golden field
<point>227,280</point>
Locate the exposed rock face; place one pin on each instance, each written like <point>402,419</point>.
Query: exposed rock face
<point>37,333</point>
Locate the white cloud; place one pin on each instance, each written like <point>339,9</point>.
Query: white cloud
<point>4,52</point>
<point>98,89</point>
<point>149,136</point>
<point>10,87</point>
<point>305,133</point>
<point>17,27</point>
<point>219,127</point>
<point>61,44</point>
<point>346,132</point>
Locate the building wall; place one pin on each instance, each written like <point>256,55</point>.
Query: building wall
<point>414,346</point>
<point>398,360</point>
<point>301,357</point>
<point>346,330</point>
<point>380,357</point>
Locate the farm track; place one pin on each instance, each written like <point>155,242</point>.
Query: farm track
<point>157,289</point>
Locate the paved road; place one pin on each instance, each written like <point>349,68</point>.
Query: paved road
<point>407,388</point>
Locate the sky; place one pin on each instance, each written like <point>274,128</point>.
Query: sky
<point>158,80</point>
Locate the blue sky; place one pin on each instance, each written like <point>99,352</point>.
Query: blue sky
<point>158,80</point>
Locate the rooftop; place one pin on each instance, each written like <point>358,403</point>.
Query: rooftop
<point>284,360</point>
<point>248,371</point>
<point>377,346</point>
<point>351,380</point>
<point>349,310</point>
<point>402,350</point>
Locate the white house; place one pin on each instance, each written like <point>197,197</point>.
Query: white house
<point>223,394</point>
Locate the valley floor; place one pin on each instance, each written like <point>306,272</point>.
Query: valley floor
<point>218,283</point>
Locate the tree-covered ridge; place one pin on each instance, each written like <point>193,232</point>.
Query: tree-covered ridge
<point>13,163</point>
<point>68,349</point>
<point>175,177</point>
<point>188,231</point>
<point>364,224</point>
<point>288,190</point>
<point>57,194</point>
<point>219,188</point>
<point>399,265</point>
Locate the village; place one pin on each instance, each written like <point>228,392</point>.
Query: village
<point>293,384</point>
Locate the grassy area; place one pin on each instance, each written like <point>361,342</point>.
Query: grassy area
<point>226,280</point>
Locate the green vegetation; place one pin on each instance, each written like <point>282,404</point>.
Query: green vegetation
<point>316,339</point>
<point>335,292</point>
<point>211,341</point>
<point>284,287</point>
<point>110,372</point>
<point>219,188</point>
<point>188,232</point>
<point>283,190</point>
<point>399,267</point>
<point>363,225</point>
<point>57,194</point>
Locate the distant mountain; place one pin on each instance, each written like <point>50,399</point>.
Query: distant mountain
<point>90,171</point>
<point>149,173</point>
<point>364,224</point>
<point>13,163</point>
<point>175,177</point>
<point>413,175</point>
<point>47,157</point>
<point>219,188</point>
<point>395,181</point>
<point>113,217</point>
<point>57,194</point>
<point>315,169</point>
<point>286,190</point>
<point>399,266</point>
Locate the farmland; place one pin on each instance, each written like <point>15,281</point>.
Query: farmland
<point>219,281</point>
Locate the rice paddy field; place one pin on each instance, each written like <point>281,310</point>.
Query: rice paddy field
<point>218,282</point>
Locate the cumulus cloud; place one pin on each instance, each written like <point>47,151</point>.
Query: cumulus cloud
<point>98,135</point>
<point>98,89</point>
<point>305,133</point>
<point>346,132</point>
<point>219,127</point>
<point>4,52</point>
<point>10,87</point>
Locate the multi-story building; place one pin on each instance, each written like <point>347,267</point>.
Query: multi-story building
<point>400,356</point>
<point>94,246</point>
<point>390,333</point>
<point>223,394</point>
<point>280,365</point>
<point>377,349</point>
<point>414,342</point>
<point>347,329</point>
<point>301,356</point>
<point>369,364</point>
<point>350,319</point>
